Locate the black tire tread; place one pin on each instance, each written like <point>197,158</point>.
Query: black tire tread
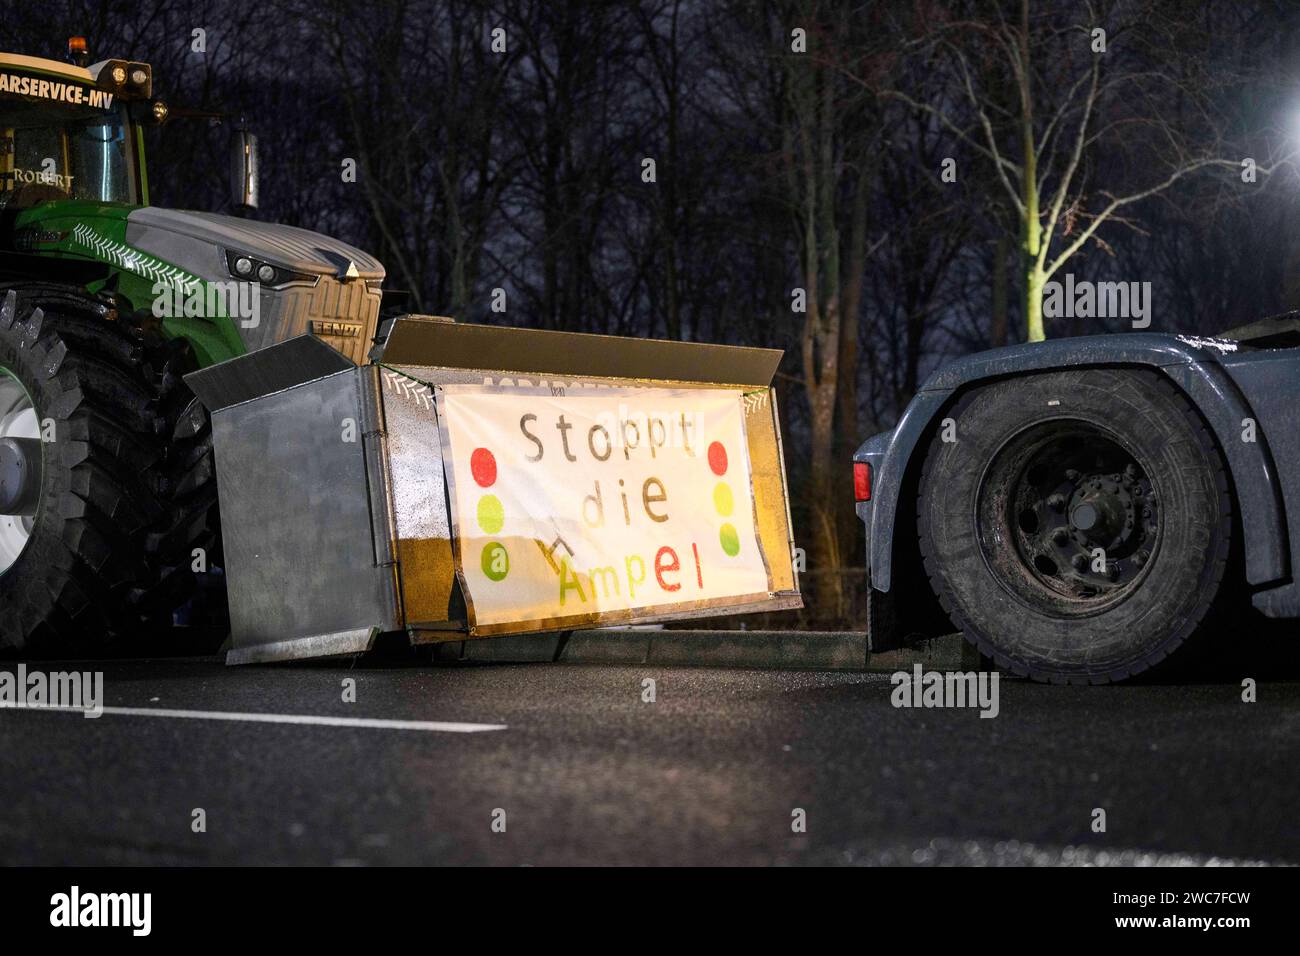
<point>109,560</point>
<point>1186,633</point>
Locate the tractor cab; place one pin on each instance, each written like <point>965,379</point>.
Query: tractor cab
<point>70,132</point>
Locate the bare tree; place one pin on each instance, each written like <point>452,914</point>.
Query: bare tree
<point>827,163</point>
<point>1091,79</point>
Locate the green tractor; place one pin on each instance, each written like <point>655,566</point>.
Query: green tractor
<point>108,505</point>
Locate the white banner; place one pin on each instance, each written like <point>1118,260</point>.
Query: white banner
<point>602,505</point>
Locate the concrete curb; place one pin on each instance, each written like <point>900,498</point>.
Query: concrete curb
<point>794,650</point>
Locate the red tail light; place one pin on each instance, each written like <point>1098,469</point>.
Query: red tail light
<point>861,481</point>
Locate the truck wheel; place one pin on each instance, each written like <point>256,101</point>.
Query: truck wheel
<point>1078,526</point>
<point>98,504</point>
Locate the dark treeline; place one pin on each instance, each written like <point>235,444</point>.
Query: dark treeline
<point>874,187</point>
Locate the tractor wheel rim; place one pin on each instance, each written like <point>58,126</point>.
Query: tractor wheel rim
<point>17,420</point>
<point>1080,511</point>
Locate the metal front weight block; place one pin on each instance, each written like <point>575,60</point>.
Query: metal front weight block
<point>305,520</point>
<point>335,504</point>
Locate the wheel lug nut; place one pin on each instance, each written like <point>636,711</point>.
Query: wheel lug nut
<point>1056,502</point>
<point>1079,562</point>
<point>1060,536</point>
<point>1072,474</point>
<point>1141,558</point>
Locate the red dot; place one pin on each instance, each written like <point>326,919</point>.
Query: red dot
<point>718,458</point>
<point>483,466</point>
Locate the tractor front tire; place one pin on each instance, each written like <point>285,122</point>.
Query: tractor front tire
<point>123,464</point>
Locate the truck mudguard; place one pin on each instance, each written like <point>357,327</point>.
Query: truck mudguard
<point>1193,364</point>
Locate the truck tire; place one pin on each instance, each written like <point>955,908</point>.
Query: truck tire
<point>1076,526</point>
<point>95,551</point>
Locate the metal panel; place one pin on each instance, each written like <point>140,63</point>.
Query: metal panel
<point>771,497</point>
<point>269,370</point>
<point>323,645</point>
<point>298,522</point>
<point>1269,379</point>
<point>538,351</point>
<point>419,495</point>
<point>329,541</point>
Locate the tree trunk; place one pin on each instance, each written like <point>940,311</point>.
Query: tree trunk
<point>1032,228</point>
<point>824,345</point>
<point>848,434</point>
<point>820,352</point>
<point>1034,303</point>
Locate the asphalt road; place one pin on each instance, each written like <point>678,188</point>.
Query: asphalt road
<point>587,772</point>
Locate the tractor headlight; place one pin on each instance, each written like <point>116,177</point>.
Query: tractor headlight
<point>247,268</point>
<point>126,78</point>
<point>141,75</point>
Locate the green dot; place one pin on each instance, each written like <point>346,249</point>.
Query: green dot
<point>495,561</point>
<point>491,516</point>
<point>730,540</point>
<point>722,499</point>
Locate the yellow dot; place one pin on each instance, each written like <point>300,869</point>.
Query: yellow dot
<point>722,499</point>
<point>491,516</point>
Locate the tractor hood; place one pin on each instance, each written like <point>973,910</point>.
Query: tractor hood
<point>199,241</point>
<point>181,266</point>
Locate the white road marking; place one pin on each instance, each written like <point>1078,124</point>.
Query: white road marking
<point>429,726</point>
